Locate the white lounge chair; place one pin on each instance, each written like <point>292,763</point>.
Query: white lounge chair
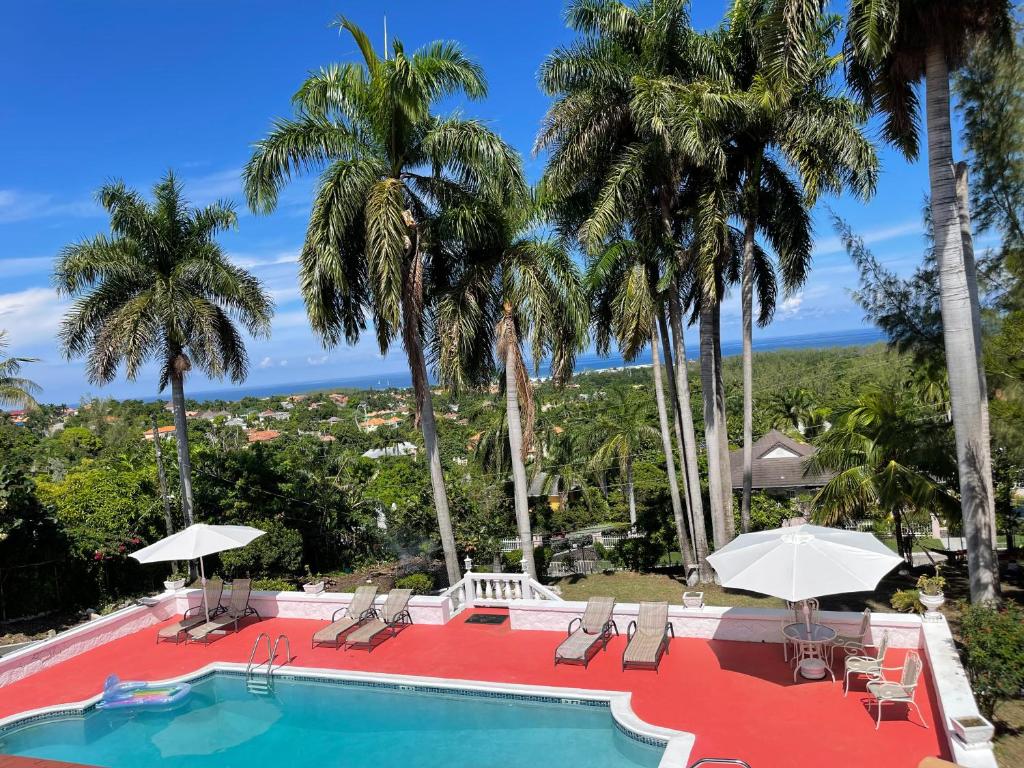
<point>588,633</point>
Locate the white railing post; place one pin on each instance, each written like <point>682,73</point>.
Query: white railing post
<point>525,591</point>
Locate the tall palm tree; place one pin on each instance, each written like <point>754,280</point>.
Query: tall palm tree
<point>888,459</point>
<point>518,288</point>
<point>390,169</point>
<point>624,430</point>
<point>160,288</point>
<point>790,117</point>
<point>892,45</point>
<point>14,388</point>
<point>624,127</point>
<point>794,410</point>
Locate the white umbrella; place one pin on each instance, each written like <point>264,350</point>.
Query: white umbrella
<point>195,542</point>
<point>803,561</point>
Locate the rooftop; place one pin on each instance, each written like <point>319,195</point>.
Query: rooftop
<point>739,698</point>
<point>779,462</point>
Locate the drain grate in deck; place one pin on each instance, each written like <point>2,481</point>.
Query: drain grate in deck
<point>486,618</point>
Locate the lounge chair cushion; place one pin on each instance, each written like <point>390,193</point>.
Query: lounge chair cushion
<point>334,630</point>
<point>367,632</point>
<point>644,647</point>
<point>577,645</point>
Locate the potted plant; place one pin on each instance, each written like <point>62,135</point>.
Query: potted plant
<point>314,583</point>
<point>175,581</point>
<point>973,730</point>
<point>929,593</point>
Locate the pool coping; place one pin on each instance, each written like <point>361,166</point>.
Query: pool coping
<point>678,744</point>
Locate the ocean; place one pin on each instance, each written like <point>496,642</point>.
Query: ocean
<point>586,362</point>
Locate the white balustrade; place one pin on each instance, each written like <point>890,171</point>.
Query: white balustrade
<point>495,589</point>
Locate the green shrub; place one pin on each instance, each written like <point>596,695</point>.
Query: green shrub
<point>905,601</point>
<point>419,583</point>
<point>273,585</point>
<point>541,557</point>
<point>512,561</point>
<point>277,552</point>
<point>993,653</point>
<point>931,585</point>
<point>640,554</point>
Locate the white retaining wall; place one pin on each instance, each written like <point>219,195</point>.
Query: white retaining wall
<point>753,625</point>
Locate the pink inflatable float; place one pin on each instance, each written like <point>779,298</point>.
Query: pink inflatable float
<point>137,693</point>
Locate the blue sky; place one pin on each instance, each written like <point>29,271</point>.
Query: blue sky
<point>127,89</point>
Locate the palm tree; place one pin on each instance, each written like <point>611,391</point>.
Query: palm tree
<point>789,118</point>
<point>888,459</point>
<point>891,45</point>
<point>15,389</point>
<point>391,168</point>
<point>624,430</point>
<point>794,410</point>
<point>518,287</point>
<point>624,127</point>
<point>160,288</point>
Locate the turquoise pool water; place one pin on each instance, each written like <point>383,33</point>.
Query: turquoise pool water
<point>330,725</point>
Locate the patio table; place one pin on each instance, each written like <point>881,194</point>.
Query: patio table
<point>812,642</point>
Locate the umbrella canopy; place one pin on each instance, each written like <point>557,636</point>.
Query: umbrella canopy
<point>196,541</point>
<point>803,561</point>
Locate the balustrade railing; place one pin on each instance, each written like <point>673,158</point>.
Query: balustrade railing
<point>494,589</point>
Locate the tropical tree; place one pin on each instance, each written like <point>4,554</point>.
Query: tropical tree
<point>625,431</point>
<point>398,185</point>
<point>518,288</point>
<point>891,458</point>
<point>791,117</point>
<point>623,129</point>
<point>160,289</point>
<point>891,45</point>
<point>795,410</point>
<point>14,388</point>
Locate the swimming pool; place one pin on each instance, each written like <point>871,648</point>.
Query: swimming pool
<point>329,724</point>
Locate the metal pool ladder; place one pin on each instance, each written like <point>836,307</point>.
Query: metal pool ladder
<point>721,761</point>
<point>262,682</point>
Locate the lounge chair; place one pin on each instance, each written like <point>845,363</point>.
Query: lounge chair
<point>348,618</point>
<point>648,637</point>
<point>902,692</point>
<point>195,615</point>
<point>589,633</point>
<point>385,623</point>
<point>866,665</point>
<point>237,609</point>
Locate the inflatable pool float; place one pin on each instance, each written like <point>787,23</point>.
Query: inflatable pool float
<point>137,693</point>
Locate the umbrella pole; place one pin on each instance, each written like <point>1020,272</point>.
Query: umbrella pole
<point>206,605</point>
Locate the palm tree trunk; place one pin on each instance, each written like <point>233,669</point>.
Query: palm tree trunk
<point>666,444</point>
<point>959,335</point>
<point>747,301</point>
<point>411,315</point>
<point>515,444</point>
<point>697,528</point>
<point>181,433</point>
<point>971,269</point>
<point>162,477</point>
<point>709,392</point>
<point>630,492</point>
<point>670,378</point>
<point>724,463</point>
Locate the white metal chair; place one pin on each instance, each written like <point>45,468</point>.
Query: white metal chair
<point>797,613</point>
<point>885,691</point>
<point>866,665</point>
<point>859,642</point>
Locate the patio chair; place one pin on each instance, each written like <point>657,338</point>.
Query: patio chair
<point>348,618</point>
<point>859,642</point>
<point>237,609</point>
<point>886,691</point>
<point>866,665</point>
<point>388,622</point>
<point>589,633</point>
<point>648,637</point>
<point>195,615</point>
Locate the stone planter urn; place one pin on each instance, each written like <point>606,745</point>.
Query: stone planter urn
<point>932,603</point>
<point>693,599</point>
<point>973,730</point>
<point>313,589</point>
<point>173,585</point>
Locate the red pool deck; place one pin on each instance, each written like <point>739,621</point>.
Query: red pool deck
<point>738,698</point>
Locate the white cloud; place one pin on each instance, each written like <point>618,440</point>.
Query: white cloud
<point>33,265</point>
<point>832,245</point>
<point>790,306</point>
<point>17,205</point>
<point>319,360</point>
<point>211,187</point>
<point>283,363</point>
<point>31,316</point>
<point>266,362</point>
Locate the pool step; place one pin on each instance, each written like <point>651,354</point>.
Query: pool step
<point>261,686</point>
